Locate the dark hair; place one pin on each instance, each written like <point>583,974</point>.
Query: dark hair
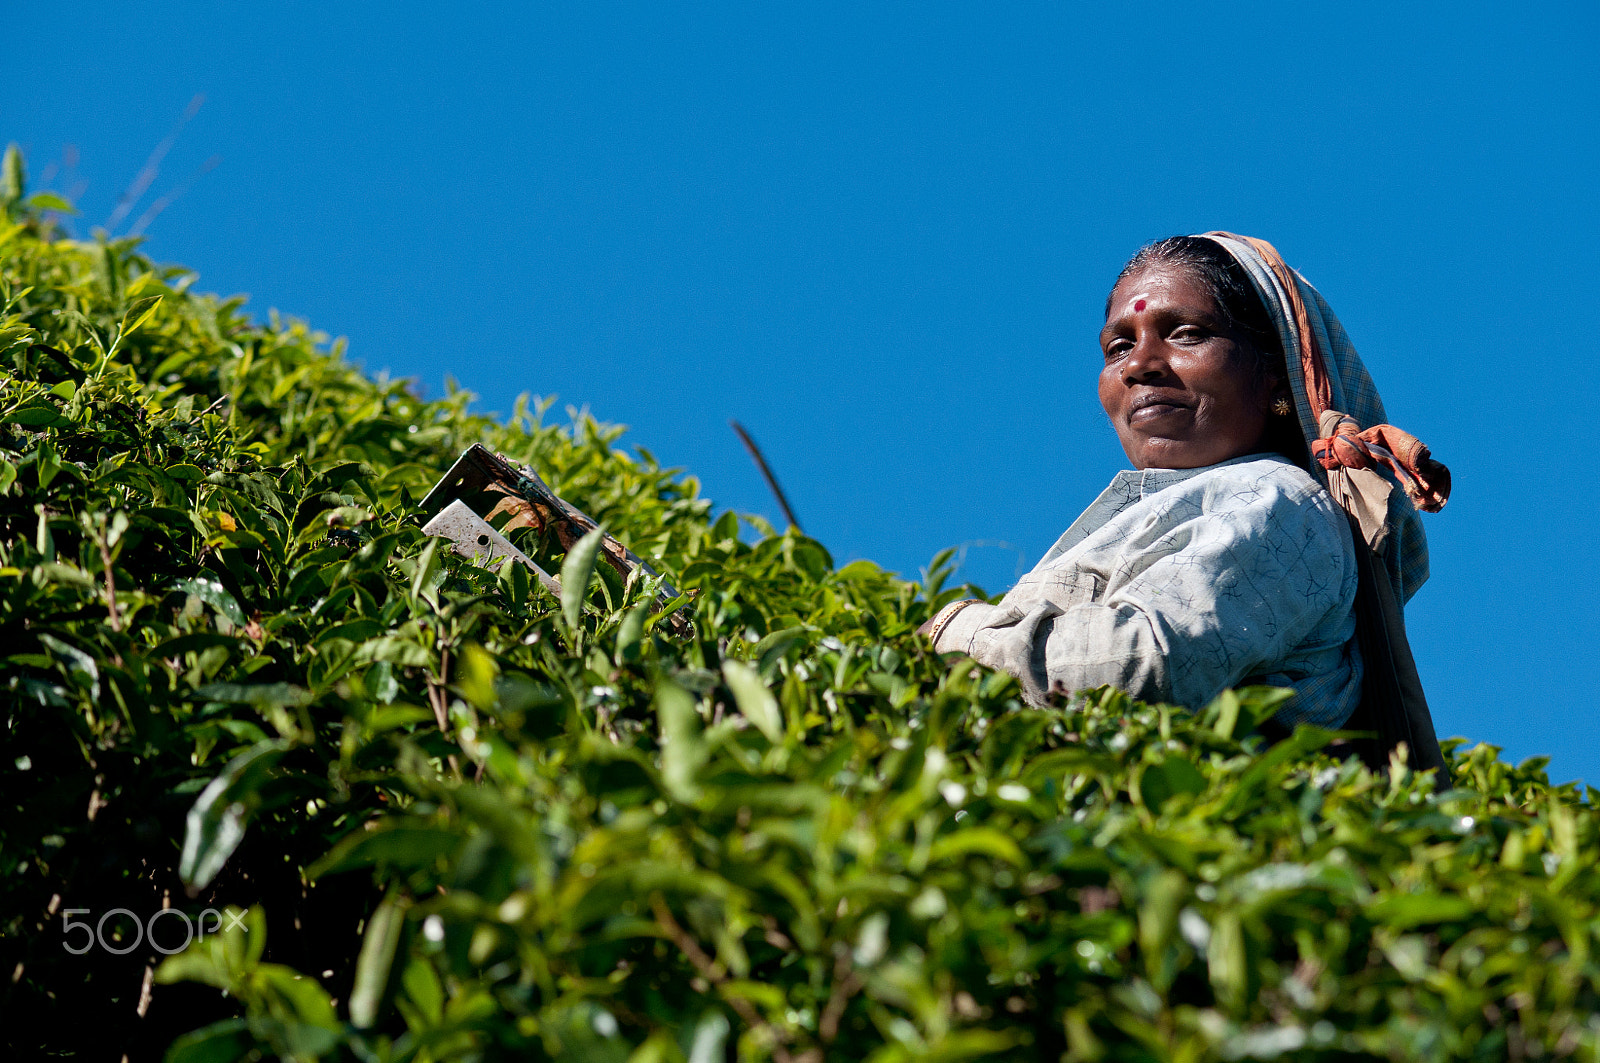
<point>1242,310</point>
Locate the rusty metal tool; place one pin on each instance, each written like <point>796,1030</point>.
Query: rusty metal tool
<point>481,480</point>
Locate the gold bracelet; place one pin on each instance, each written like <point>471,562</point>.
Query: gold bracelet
<point>947,614</point>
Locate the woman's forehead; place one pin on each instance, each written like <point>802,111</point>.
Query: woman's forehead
<point>1162,284</point>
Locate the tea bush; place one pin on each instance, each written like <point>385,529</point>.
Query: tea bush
<point>421,810</point>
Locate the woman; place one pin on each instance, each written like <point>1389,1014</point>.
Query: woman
<point>1258,538</point>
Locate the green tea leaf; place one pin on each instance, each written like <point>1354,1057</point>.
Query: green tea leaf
<point>755,701</point>
<point>216,824</point>
<point>139,312</point>
<point>378,947</point>
<point>682,748</point>
<point>213,594</point>
<point>1404,911</point>
<point>576,572</point>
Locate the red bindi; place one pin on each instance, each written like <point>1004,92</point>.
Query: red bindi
<point>1138,308</point>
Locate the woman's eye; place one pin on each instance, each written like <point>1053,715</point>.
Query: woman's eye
<point>1117,349</point>
<point>1188,334</point>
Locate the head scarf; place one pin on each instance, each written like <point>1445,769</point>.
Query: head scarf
<point>1360,458</point>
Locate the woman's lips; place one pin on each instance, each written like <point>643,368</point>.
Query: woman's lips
<point>1155,410</point>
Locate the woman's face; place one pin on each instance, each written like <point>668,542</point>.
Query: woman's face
<point>1177,383</point>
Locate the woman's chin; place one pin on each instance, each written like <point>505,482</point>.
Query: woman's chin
<point>1162,453</point>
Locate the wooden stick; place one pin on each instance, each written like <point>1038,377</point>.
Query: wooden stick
<point>772,481</point>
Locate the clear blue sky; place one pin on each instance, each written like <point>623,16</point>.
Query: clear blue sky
<point>881,236</point>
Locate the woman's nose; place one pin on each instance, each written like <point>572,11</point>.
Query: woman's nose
<point>1146,362</point>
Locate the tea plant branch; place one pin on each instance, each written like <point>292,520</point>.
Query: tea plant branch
<point>436,702</point>
<point>152,167</point>
<point>772,481</point>
<point>172,197</point>
<point>713,973</point>
<point>846,984</point>
<point>113,613</point>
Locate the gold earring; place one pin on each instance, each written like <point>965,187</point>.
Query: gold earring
<point>1281,407</point>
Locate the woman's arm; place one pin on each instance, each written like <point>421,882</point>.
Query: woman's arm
<point>1206,599</point>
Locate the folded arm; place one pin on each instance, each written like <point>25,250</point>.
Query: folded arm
<point>1182,615</point>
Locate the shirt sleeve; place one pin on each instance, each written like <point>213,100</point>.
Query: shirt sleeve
<point>1211,593</point>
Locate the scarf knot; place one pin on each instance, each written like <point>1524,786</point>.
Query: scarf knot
<point>1345,445</point>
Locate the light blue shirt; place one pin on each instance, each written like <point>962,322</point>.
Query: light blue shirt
<point>1177,584</point>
